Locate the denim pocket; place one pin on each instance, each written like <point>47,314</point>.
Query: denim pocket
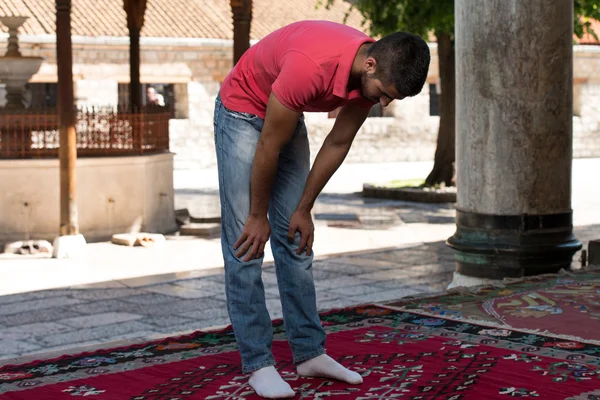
<point>241,115</point>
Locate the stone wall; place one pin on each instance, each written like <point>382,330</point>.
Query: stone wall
<point>197,66</point>
<point>586,124</point>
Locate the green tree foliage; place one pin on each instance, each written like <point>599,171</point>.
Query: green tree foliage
<point>584,11</point>
<point>424,16</point>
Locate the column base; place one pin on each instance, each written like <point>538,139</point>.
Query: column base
<point>460,280</point>
<point>69,246</point>
<point>512,246</point>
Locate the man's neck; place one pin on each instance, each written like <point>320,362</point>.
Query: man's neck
<point>357,66</point>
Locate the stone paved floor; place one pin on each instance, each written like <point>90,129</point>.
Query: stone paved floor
<point>65,318</point>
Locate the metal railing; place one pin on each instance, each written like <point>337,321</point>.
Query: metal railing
<point>101,132</point>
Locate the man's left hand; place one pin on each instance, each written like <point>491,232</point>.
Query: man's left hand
<point>301,221</point>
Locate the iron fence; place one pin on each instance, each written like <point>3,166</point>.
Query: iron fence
<point>101,132</point>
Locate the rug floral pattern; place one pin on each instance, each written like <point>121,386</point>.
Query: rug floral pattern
<point>566,306</point>
<point>399,354</point>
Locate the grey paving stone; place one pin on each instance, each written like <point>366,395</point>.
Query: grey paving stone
<point>165,321</point>
<point>220,278</point>
<point>327,295</point>
<point>202,284</point>
<point>100,285</point>
<point>345,270</point>
<point>430,284</point>
<point>32,305</point>
<point>328,305</point>
<point>193,326</point>
<point>326,284</point>
<point>105,306</point>
<point>207,313</point>
<point>399,273</point>
<point>355,290</point>
<point>150,299</point>
<point>274,307</point>
<point>385,295</point>
<point>169,308</point>
<point>105,333</point>
<point>321,274</point>
<point>29,296</point>
<point>180,291</point>
<point>102,294</point>
<point>88,321</point>
<point>10,348</point>
<point>361,264</point>
<point>41,315</point>
<point>20,332</point>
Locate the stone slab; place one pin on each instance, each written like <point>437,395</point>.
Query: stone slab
<point>33,305</point>
<point>106,332</point>
<point>12,347</point>
<point>37,329</point>
<point>181,291</point>
<point>201,229</point>
<point>88,321</point>
<point>28,247</point>
<point>409,194</point>
<point>138,239</point>
<point>38,315</point>
<point>337,216</point>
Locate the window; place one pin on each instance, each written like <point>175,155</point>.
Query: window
<point>41,95</point>
<point>164,90</point>
<point>434,99</point>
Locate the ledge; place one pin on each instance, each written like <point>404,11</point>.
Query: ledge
<point>408,194</point>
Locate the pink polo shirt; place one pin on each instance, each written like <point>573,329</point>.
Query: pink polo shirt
<point>306,65</point>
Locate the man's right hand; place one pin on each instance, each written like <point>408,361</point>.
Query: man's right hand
<point>254,238</point>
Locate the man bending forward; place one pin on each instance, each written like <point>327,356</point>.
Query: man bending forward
<point>267,187</point>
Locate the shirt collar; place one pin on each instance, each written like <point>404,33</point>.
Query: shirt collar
<point>342,75</point>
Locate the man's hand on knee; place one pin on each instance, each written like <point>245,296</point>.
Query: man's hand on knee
<point>301,221</point>
<point>253,239</point>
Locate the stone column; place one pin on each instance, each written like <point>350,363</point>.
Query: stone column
<point>514,100</point>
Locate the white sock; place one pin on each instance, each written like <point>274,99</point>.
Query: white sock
<point>267,383</point>
<point>324,366</point>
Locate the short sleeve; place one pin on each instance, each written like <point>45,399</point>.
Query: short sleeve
<point>300,80</point>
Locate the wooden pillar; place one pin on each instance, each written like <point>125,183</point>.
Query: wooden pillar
<point>66,117</point>
<point>135,10</point>
<point>242,19</point>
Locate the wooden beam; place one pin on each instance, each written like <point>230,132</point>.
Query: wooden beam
<point>242,20</point>
<point>135,10</point>
<point>66,116</point>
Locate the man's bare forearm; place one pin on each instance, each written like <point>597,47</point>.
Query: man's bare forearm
<point>264,168</point>
<point>328,160</point>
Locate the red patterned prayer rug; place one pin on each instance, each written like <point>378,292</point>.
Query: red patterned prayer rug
<point>566,306</point>
<point>399,354</point>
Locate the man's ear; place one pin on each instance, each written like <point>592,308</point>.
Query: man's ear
<point>370,64</point>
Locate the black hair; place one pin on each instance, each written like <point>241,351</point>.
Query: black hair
<point>402,60</point>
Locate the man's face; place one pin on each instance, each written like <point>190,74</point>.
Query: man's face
<point>373,88</point>
<point>151,94</point>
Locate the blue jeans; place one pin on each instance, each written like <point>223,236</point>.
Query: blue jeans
<point>236,138</point>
